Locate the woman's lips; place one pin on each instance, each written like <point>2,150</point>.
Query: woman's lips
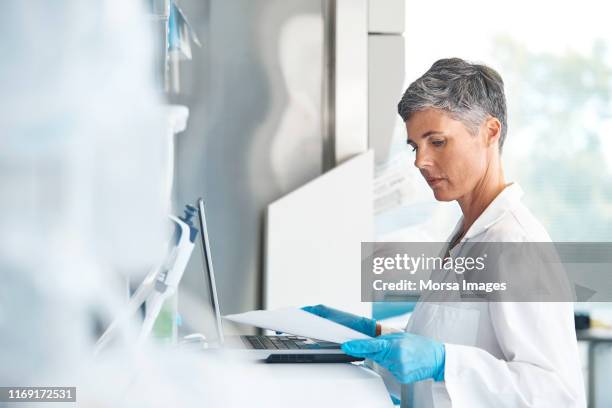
<point>434,181</point>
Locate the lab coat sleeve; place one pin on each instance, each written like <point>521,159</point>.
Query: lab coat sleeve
<point>539,367</point>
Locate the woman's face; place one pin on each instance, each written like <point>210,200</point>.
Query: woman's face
<point>450,158</point>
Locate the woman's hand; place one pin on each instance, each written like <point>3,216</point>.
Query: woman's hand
<point>358,323</point>
<point>407,356</point>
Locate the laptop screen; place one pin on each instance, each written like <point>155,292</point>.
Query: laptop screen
<point>198,302</point>
<point>207,266</point>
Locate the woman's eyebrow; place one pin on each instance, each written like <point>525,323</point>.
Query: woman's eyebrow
<point>430,133</point>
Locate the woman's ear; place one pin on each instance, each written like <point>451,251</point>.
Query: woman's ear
<point>493,128</point>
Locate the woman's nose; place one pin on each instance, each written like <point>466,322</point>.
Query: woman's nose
<point>422,160</point>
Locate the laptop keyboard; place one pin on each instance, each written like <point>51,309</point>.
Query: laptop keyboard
<point>288,343</point>
<point>310,358</point>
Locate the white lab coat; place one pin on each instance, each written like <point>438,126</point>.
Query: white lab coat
<point>504,354</point>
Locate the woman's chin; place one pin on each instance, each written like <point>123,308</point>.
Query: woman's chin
<point>442,195</point>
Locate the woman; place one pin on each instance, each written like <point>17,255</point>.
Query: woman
<point>472,354</point>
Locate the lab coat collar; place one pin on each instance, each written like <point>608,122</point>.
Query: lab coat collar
<point>507,199</point>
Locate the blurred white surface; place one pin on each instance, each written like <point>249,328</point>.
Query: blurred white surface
<point>255,383</point>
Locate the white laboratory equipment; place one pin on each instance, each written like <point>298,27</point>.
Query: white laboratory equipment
<point>158,290</point>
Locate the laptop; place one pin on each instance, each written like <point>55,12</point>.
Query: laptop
<point>274,348</point>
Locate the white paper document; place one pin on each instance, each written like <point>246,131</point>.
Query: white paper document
<point>297,322</point>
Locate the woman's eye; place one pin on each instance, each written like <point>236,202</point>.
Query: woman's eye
<point>413,146</point>
<point>437,142</point>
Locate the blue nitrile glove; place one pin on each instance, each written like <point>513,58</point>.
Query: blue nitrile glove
<point>407,356</point>
<point>358,323</point>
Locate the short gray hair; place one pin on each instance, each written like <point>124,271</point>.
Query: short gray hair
<point>468,92</point>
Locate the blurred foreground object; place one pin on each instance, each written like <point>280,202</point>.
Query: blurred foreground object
<point>82,199</point>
